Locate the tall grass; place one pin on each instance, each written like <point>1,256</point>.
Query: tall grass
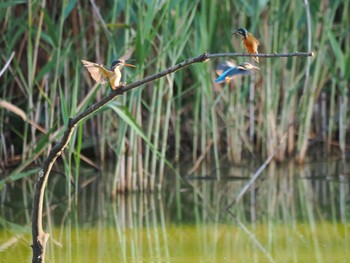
<point>183,117</point>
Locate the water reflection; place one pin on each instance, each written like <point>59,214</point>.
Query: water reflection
<point>291,214</point>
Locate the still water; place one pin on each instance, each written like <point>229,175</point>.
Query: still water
<point>291,214</point>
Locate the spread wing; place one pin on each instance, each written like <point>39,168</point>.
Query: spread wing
<point>97,71</point>
<point>228,74</point>
<point>224,66</point>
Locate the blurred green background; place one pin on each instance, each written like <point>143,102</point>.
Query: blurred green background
<point>296,109</point>
<point>184,116</point>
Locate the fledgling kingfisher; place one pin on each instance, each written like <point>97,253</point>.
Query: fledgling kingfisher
<point>250,43</point>
<point>101,74</point>
<point>228,71</point>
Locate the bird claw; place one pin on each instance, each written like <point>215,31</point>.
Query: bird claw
<point>121,84</point>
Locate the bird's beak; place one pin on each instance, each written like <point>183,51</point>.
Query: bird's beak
<point>234,32</point>
<point>254,67</point>
<point>129,65</point>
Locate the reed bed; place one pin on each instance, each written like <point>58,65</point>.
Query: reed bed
<point>184,116</point>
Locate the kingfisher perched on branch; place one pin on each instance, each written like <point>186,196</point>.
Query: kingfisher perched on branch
<point>228,70</point>
<point>250,43</point>
<point>101,74</point>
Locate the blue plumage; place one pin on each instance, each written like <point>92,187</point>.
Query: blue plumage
<point>231,70</point>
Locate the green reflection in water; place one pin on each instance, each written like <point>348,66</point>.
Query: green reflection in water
<point>213,243</point>
<point>291,214</point>
<point>197,243</point>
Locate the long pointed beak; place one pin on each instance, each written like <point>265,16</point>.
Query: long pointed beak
<point>129,65</point>
<point>254,67</point>
<point>235,32</point>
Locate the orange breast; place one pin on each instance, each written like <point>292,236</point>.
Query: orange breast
<point>250,45</point>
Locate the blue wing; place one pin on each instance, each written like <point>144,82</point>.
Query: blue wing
<point>224,66</point>
<point>230,73</point>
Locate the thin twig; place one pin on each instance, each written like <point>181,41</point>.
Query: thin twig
<point>274,55</point>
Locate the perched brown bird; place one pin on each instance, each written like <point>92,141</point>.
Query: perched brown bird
<point>250,43</point>
<point>101,74</point>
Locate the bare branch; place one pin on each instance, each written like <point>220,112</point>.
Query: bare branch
<point>274,55</point>
<point>39,236</point>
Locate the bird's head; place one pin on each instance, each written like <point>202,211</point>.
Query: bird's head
<point>247,66</point>
<point>241,31</point>
<point>119,63</point>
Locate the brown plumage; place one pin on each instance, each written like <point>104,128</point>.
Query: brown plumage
<point>250,43</point>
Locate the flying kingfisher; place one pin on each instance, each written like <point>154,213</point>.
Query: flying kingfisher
<point>228,71</point>
<point>250,43</point>
<point>101,74</point>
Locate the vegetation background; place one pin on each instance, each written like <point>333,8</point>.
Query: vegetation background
<point>183,117</point>
<point>183,121</point>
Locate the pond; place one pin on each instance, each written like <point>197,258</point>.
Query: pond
<point>292,213</point>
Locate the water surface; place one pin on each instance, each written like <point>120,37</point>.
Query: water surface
<point>291,214</point>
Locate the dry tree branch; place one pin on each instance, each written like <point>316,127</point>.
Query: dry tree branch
<point>273,55</point>
<point>39,236</point>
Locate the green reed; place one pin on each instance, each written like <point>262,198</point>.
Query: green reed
<point>185,115</point>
